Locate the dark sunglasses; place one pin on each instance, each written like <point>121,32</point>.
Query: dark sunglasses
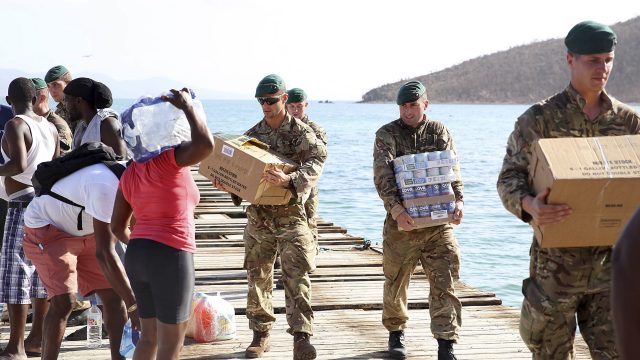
<point>269,100</point>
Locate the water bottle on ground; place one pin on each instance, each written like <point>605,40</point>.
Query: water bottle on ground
<point>94,326</point>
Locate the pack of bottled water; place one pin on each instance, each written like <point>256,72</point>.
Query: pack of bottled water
<point>424,185</point>
<point>151,126</point>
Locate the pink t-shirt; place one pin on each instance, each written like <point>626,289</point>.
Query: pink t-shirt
<point>163,196</point>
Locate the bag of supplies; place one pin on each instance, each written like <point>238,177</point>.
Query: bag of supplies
<point>213,319</point>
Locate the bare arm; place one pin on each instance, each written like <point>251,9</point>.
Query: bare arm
<point>15,132</point>
<point>120,218</point>
<point>110,136</point>
<point>112,267</point>
<point>201,144</point>
<point>626,289</point>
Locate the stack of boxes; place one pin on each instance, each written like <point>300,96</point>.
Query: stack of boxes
<point>424,182</point>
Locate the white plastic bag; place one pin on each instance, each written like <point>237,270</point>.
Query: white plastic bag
<point>213,319</point>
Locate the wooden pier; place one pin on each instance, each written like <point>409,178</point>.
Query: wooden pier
<point>346,298</point>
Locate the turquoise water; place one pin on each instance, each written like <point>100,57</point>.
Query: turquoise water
<point>494,244</point>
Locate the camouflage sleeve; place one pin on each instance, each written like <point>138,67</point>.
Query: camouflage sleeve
<point>307,174</point>
<point>320,133</point>
<point>513,180</point>
<point>457,185</point>
<point>384,151</point>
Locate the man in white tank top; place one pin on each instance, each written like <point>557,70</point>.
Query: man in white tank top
<point>28,140</point>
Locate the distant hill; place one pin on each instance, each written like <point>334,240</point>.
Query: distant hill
<point>524,74</point>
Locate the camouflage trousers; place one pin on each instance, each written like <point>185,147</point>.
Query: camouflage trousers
<point>311,209</point>
<point>283,229</point>
<point>566,284</point>
<point>437,249</point>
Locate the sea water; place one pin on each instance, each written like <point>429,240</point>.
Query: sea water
<point>494,244</point>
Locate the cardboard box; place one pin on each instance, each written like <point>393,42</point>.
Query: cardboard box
<point>239,161</point>
<point>599,178</point>
<point>436,219</point>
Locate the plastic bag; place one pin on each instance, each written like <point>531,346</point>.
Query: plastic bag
<point>129,340</point>
<point>213,319</point>
<point>151,126</point>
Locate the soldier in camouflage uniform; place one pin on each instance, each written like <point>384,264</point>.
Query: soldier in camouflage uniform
<point>566,282</point>
<point>282,228</point>
<point>435,247</point>
<point>57,79</point>
<point>296,106</point>
<point>42,108</point>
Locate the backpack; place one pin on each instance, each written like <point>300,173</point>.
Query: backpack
<point>49,172</point>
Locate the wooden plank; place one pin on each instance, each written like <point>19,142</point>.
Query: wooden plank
<point>354,294</point>
<point>487,332</point>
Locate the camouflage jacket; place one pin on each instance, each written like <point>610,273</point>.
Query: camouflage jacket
<point>62,112</point>
<point>396,139</point>
<point>320,133</point>
<point>297,142</point>
<point>558,116</point>
<point>64,133</point>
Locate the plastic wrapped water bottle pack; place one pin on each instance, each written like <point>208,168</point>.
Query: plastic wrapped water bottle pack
<point>151,126</point>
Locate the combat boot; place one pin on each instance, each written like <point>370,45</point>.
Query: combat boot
<point>258,346</point>
<point>445,350</point>
<point>397,347</point>
<point>302,348</point>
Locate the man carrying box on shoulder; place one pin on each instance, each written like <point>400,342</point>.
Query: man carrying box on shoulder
<point>565,282</point>
<point>435,247</point>
<point>282,228</point>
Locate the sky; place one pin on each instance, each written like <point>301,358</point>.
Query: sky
<point>334,49</point>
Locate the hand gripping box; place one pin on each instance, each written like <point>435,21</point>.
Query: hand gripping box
<point>435,218</point>
<point>239,161</point>
<point>599,178</point>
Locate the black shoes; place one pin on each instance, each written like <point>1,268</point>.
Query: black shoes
<point>397,346</point>
<point>445,350</point>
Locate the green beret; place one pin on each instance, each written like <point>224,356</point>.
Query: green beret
<point>296,95</point>
<point>590,37</point>
<point>39,83</point>
<point>271,84</point>
<point>55,73</point>
<point>410,92</point>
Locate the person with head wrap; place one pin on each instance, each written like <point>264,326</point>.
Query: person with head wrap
<point>57,78</point>
<point>435,247</point>
<point>41,108</point>
<point>281,228</point>
<point>29,140</point>
<point>566,286</point>
<point>88,101</point>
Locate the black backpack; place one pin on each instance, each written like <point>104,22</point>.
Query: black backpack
<point>49,172</point>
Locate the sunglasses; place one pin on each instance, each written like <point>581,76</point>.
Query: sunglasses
<point>269,100</point>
